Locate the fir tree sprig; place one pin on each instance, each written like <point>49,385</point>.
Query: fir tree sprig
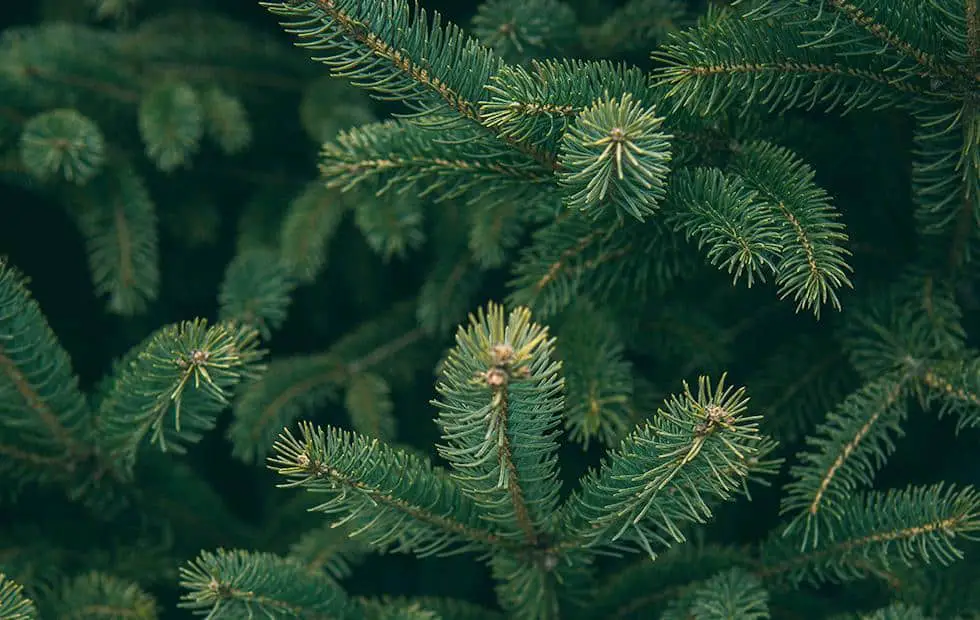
<point>700,446</point>
<point>45,420</point>
<point>877,530</point>
<point>63,143</point>
<point>13,604</point>
<point>615,154</point>
<point>256,290</point>
<point>243,584</point>
<point>118,220</point>
<point>500,400</point>
<point>96,590</point>
<point>173,386</point>
<point>389,496</point>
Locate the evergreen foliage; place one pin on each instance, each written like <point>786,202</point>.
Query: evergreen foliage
<point>732,373</point>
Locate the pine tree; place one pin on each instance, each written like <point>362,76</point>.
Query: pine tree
<point>661,199</point>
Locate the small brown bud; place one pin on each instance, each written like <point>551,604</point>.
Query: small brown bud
<point>502,353</point>
<point>496,377</point>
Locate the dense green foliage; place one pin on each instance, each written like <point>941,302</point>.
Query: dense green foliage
<point>602,309</point>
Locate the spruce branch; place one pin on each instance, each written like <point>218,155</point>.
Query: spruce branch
<point>598,377</point>
<point>392,227</point>
<point>226,120</point>
<point>445,608</point>
<point>245,584</point>
<point>400,54</point>
<point>733,593</point>
<point>62,143</point>
<point>896,611</point>
<point>877,530</point>
<point>844,454</point>
<point>521,30</point>
<point>256,290</point>
<point>535,104</point>
<point>45,419</point>
<point>171,123</point>
<point>953,386</point>
<point>575,256</point>
<point>448,291</point>
<point>871,27</point>
<point>732,60</point>
<point>329,549</point>
<point>368,402</point>
<point>387,495</point>
<point>118,220</point>
<point>293,385</point>
<point>636,26</point>
<point>402,156</point>
<point>13,604</point>
<point>173,386</point>
<point>308,227</point>
<point>700,446</point>
<point>614,155</point>
<point>100,593</point>
<point>812,262</point>
<point>722,213</point>
<point>289,387</point>
<point>500,401</point>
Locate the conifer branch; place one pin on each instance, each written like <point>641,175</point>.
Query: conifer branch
<point>661,475</point>
<point>236,583</point>
<point>395,51</point>
<point>867,18</point>
<point>387,495</point>
<point>293,385</point>
<point>14,605</point>
<point>44,417</point>
<point>173,385</point>
<point>850,446</point>
<point>915,524</point>
<point>500,401</point>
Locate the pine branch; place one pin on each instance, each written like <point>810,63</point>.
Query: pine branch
<point>45,420</point>
<point>500,400</point>
<point>118,219</point>
<point>13,604</point>
<point>173,386</point>
<point>243,584</point>
<point>387,495</point>
<point>699,446</point>
<point>256,290</point>
<point>875,531</point>
<point>845,453</point>
<point>106,593</point>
